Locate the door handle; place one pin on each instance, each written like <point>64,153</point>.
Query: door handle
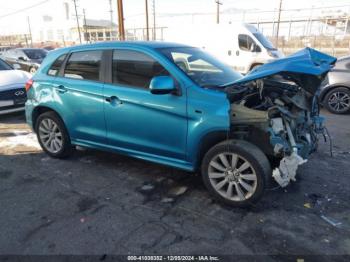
<point>237,53</point>
<point>114,100</point>
<point>61,89</point>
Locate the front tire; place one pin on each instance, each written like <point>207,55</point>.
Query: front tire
<point>236,172</point>
<point>52,135</point>
<point>337,100</point>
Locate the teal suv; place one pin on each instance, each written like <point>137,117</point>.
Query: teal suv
<point>177,105</point>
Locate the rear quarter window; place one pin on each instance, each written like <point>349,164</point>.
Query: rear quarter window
<point>56,66</point>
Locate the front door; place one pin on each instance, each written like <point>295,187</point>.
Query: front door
<point>136,120</point>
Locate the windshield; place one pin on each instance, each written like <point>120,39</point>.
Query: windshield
<point>4,66</point>
<point>264,41</point>
<point>35,53</point>
<point>202,68</point>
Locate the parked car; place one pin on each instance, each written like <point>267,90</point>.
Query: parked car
<point>4,48</point>
<point>335,92</point>
<point>12,92</point>
<point>132,98</point>
<point>29,59</point>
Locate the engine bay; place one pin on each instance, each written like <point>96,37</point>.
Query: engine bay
<point>280,117</point>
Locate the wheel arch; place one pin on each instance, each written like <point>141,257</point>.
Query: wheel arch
<point>208,141</point>
<point>254,65</point>
<point>40,110</point>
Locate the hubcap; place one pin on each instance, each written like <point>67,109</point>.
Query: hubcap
<point>339,101</point>
<point>232,176</point>
<point>50,135</point>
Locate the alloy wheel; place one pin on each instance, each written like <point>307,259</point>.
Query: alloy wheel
<point>232,176</point>
<point>339,101</point>
<point>50,135</point>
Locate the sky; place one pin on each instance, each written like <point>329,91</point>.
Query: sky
<point>134,9</point>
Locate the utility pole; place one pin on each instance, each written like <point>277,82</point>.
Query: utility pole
<point>218,3</point>
<point>30,32</point>
<point>86,38</point>
<point>154,19</point>
<point>121,20</point>
<point>147,25</point>
<point>76,15</point>
<point>278,22</point>
<point>111,17</point>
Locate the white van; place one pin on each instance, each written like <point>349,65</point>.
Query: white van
<point>242,46</point>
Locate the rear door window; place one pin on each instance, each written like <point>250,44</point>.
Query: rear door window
<point>136,69</point>
<point>84,65</point>
<point>56,66</point>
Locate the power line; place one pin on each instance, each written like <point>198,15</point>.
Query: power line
<point>24,9</point>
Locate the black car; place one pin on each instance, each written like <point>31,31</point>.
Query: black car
<point>28,59</point>
<point>335,92</point>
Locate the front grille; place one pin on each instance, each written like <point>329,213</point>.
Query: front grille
<point>13,94</point>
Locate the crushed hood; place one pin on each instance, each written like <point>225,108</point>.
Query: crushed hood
<point>307,68</point>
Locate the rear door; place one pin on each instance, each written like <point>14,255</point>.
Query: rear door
<point>78,89</point>
<point>137,120</point>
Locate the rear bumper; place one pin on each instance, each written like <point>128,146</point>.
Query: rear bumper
<point>29,113</point>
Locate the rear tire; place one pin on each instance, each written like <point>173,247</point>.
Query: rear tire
<point>337,100</point>
<point>52,135</point>
<point>236,172</point>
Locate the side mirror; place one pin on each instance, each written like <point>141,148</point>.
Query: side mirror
<point>16,66</point>
<point>22,58</point>
<point>161,85</point>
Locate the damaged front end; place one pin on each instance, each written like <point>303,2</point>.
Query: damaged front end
<point>276,107</point>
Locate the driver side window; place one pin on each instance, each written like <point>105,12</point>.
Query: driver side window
<point>135,69</point>
<point>245,43</point>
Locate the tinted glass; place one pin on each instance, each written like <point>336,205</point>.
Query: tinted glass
<point>201,67</point>
<point>4,66</point>
<point>84,65</point>
<point>245,42</point>
<point>135,68</point>
<point>55,67</point>
<point>35,53</point>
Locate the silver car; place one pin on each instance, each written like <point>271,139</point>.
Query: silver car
<point>12,88</point>
<point>335,93</point>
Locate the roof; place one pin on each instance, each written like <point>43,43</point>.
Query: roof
<point>147,44</point>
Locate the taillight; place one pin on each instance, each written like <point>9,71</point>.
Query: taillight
<point>29,84</point>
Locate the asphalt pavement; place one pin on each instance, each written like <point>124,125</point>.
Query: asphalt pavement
<point>102,203</point>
